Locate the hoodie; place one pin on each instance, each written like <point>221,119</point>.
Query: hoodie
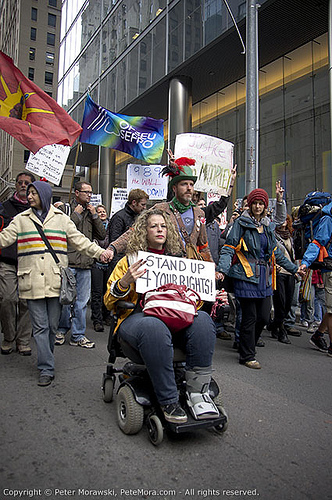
<point>44,191</point>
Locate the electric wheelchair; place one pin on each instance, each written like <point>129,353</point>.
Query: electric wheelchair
<point>136,403</point>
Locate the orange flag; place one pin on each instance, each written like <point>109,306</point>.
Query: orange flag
<point>29,114</point>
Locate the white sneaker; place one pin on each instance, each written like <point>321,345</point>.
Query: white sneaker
<point>83,342</point>
<point>59,339</point>
<point>201,405</point>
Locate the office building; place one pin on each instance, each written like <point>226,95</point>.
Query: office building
<point>30,34</point>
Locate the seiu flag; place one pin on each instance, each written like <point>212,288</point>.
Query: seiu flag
<point>29,114</point>
<point>139,136</point>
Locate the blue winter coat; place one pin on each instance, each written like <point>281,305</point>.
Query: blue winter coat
<point>245,228</point>
<point>322,234</point>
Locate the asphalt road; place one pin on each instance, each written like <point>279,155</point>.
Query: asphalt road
<point>63,441</point>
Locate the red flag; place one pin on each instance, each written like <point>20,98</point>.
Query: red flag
<point>29,114</point>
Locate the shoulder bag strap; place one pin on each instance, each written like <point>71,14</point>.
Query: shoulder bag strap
<point>183,230</point>
<point>47,243</point>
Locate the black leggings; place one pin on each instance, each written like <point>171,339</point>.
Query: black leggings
<point>283,297</point>
<point>255,315</point>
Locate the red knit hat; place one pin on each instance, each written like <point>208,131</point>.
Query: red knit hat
<point>258,194</point>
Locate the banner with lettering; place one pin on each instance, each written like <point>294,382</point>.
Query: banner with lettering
<point>161,269</point>
<point>138,136</point>
<point>214,160</point>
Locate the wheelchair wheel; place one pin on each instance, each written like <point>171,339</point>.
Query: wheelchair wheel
<point>155,430</point>
<point>218,402</point>
<point>130,414</point>
<point>108,389</point>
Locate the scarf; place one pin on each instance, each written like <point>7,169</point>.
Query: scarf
<point>179,206</point>
<point>283,233</point>
<point>25,202</point>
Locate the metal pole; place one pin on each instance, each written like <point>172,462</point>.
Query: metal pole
<point>251,179</point>
<point>330,66</point>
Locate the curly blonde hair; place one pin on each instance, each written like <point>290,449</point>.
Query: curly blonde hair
<point>138,237</point>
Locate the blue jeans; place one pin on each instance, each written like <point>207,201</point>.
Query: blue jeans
<point>151,337</point>
<point>44,316</point>
<point>77,323</point>
<point>319,303</point>
<point>291,316</point>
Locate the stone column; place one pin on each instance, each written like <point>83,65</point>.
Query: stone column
<point>106,176</point>
<point>179,108</point>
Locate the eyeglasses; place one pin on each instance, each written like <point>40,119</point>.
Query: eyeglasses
<point>87,192</point>
<point>26,183</point>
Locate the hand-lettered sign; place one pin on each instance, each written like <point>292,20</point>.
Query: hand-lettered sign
<point>161,269</point>
<point>119,199</point>
<point>49,162</point>
<point>148,178</point>
<point>214,160</point>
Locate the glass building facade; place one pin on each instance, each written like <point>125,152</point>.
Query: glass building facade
<point>126,51</point>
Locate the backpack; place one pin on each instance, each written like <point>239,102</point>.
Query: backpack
<point>310,213</point>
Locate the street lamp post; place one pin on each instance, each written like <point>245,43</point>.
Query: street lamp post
<point>252,115</point>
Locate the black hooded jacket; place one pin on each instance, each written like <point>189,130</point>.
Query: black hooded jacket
<point>8,210</point>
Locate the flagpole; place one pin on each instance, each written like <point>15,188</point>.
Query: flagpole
<point>74,168</point>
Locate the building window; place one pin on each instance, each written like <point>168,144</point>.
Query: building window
<point>52,20</point>
<point>51,39</point>
<point>50,58</point>
<point>32,54</point>
<point>33,14</point>
<point>26,155</point>
<point>33,34</point>
<point>48,78</point>
<point>31,74</point>
<point>241,10</point>
<point>49,93</point>
<point>52,3</point>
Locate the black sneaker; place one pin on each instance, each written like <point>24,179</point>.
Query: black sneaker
<point>329,351</point>
<point>45,380</point>
<point>318,341</point>
<point>174,413</point>
<point>260,342</point>
<point>98,327</point>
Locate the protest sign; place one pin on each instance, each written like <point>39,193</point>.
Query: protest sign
<point>214,160</point>
<point>148,178</point>
<point>119,199</point>
<point>49,162</point>
<point>161,269</point>
<point>96,200</point>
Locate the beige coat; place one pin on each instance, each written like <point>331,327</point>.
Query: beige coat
<point>38,274</point>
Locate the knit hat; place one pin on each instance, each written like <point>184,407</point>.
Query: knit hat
<point>258,194</point>
<point>179,170</point>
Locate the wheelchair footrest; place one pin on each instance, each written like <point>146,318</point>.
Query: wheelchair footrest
<point>193,424</point>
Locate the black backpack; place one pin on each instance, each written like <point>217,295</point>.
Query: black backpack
<point>310,213</point>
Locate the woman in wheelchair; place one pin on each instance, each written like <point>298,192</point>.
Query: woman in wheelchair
<point>154,232</point>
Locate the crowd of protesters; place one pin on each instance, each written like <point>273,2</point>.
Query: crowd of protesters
<point>254,258</point>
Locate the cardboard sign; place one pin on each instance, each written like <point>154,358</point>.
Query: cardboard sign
<point>119,199</point>
<point>214,160</point>
<point>161,269</point>
<point>49,162</point>
<point>148,178</point>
